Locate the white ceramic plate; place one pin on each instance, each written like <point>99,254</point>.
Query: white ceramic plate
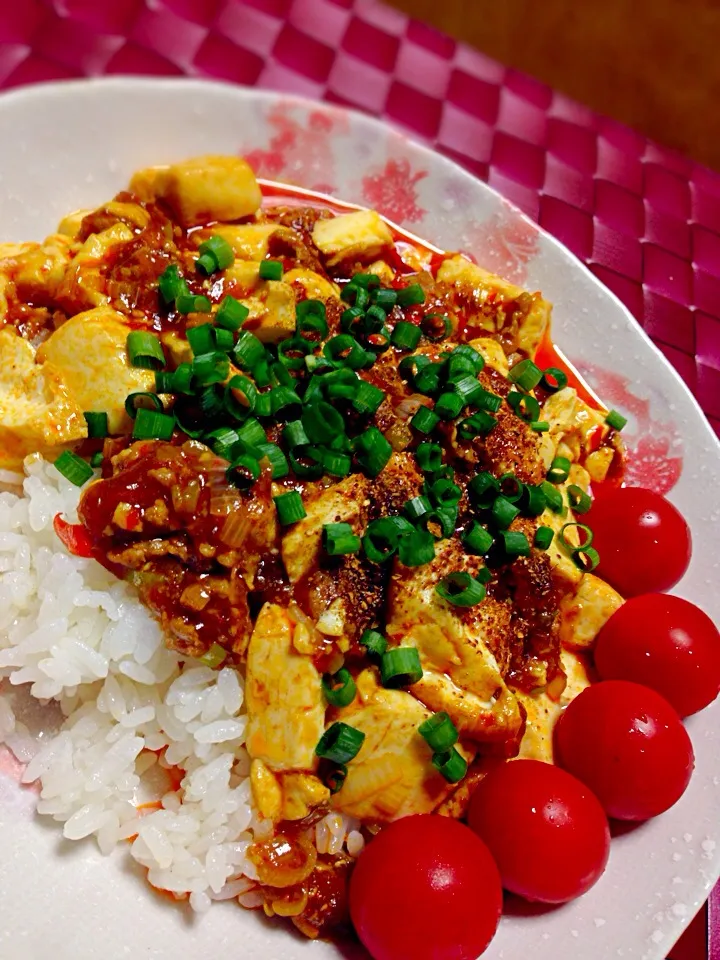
<point>74,145</point>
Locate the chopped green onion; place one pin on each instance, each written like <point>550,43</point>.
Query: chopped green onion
<point>214,656</point>
<point>587,558</point>
<point>164,381</point>
<point>224,339</point>
<point>469,391</point>
<point>487,401</point>
<point>248,352</point>
<point>553,497</point>
<point>578,499</point>
<point>471,354</point>
<point>583,529</point>
<point>544,537</point>
<point>448,406</point>
<point>97,423</point>
<point>374,319</point>
<point>206,264</point>
<point>384,297</point>
<point>427,380</point>
<point>554,379</point>
<point>443,492</point>
<point>332,462</point>
<point>411,295</point>
<point>134,401</point>
<point>335,778</point>
<point>170,284</point>
<point>339,689</point>
<point>285,402</point>
<point>294,434</point>
<point>252,432</point>
<point>182,379</point>
<point>278,461</point>
<point>189,303</point>
<point>559,470</point>
<point>280,375</point>
<point>201,339</point>
<point>368,398</point>
<point>524,405</point>
<point>311,317</point>
<point>483,489</point>
<point>511,488</point>
<point>96,460</point>
<point>231,314</point>
<point>241,397</point>
<point>73,468</point>
<point>409,367</point>
<point>210,368</point>
<point>290,508</point>
<point>540,426</point>
<point>461,589</point>
<point>477,539</point>
<point>219,250</point>
<point>425,420</point>
<point>368,281</point>
<point>439,732</point>
<point>271,270</point>
<point>322,422</point>
<point>400,667</point>
<point>381,539</point>
<point>429,456</point>
<point>416,508</point>
<point>243,471</point>
<point>483,575</point>
<point>436,326</point>
<point>373,451</point>
<point>526,374</point>
<point>356,294</point>
<point>515,543</point>
<point>345,350</point>
<point>292,352</point>
<point>440,522</point>
<point>374,642</point>
<point>452,765</point>
<point>535,500</point>
<point>152,425</point>
<point>417,548</point>
<point>615,420</point>
<point>479,423</point>
<point>339,539</point>
<point>145,350</point>
<point>340,743</point>
<point>503,512</point>
<point>352,320</point>
<point>222,441</point>
<point>304,463</point>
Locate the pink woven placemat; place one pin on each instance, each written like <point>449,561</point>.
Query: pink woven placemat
<point>644,219</point>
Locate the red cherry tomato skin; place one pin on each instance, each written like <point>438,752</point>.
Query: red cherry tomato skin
<point>547,831</point>
<point>426,888</point>
<point>668,644</point>
<point>628,745</point>
<point>643,542</point>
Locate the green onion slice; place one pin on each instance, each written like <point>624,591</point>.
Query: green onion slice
<point>553,497</point>
<point>290,508</point>
<point>554,379</point>
<point>587,559</point>
<point>461,589</point>
<point>405,336</point>
<point>201,339</point>
<point>479,423</point>
<point>524,405</point>
<point>240,397</point>
<point>345,350</point>
<point>381,539</point>
<point>535,500</point>
<point>373,451</point>
<point>339,689</point>
<point>583,532</point>
<point>559,470</point>
<point>336,777</point>
<point>214,656</point>
<point>271,270</point>
<point>219,251</point>
<point>210,368</point>
<point>322,422</point>
<point>374,642</point>
<point>231,314</point>
<point>96,460</point>
<point>340,743</point>
<point>339,539</point>
<point>73,468</point>
<point>578,499</point>
<point>503,512</point>
<point>136,401</point>
<point>526,374</point>
<point>248,352</point>
<point>190,303</point>
<point>145,350</point>
<point>483,490</point>
<point>439,732</point>
<point>477,539</point>
<point>170,284</point>
<point>436,326</point>
<point>416,548</point>
<point>97,423</point>
<point>544,537</point>
<point>451,764</point>
<point>429,456</point>
<point>425,420</point>
<point>515,543</point>
<point>448,406</point>
<point>615,420</point>
<point>400,667</point>
<point>411,295</point>
<point>243,471</point>
<point>152,425</point>
<point>511,488</point>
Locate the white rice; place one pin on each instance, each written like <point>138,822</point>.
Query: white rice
<point>137,724</point>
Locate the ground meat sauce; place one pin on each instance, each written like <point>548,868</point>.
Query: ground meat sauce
<point>206,556</point>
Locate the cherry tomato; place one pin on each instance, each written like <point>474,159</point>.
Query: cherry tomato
<point>426,888</point>
<point>628,745</point>
<point>643,542</point>
<point>666,643</point>
<point>546,830</point>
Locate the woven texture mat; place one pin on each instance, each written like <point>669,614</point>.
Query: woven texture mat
<point>645,220</point>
